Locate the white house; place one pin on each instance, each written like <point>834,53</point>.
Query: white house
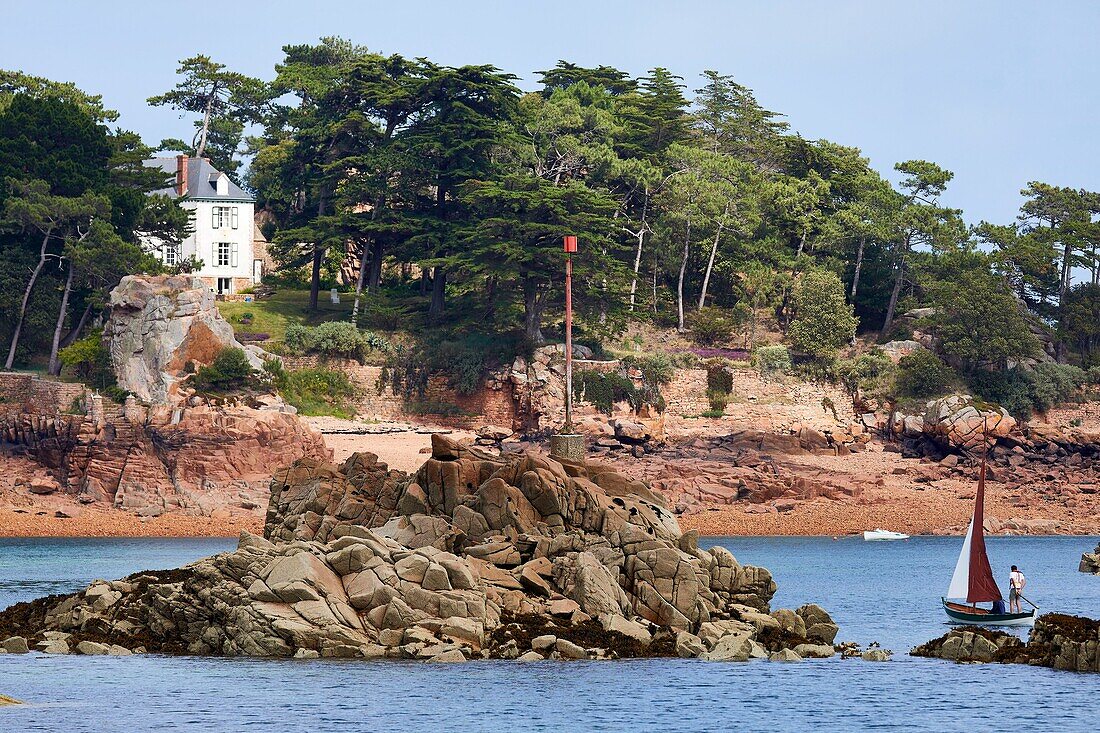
<point>222,220</point>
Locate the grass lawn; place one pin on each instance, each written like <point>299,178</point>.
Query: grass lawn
<point>285,308</point>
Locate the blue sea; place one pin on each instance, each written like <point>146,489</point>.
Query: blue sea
<point>885,592</point>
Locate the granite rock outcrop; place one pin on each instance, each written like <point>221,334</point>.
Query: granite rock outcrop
<point>159,328</point>
<point>1058,641</point>
<point>471,556</point>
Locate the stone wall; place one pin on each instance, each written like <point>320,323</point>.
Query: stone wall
<point>755,403</point>
<point>766,404</point>
<point>26,393</point>
<point>488,405</point>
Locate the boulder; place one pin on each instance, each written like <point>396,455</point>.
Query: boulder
<point>15,645</point>
<point>963,422</point>
<point>876,655</point>
<point>1090,562</point>
<point>730,648</point>
<point>159,327</point>
<point>784,655</point>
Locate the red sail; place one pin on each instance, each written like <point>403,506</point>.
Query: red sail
<point>982,585</point>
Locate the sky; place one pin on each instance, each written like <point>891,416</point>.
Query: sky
<point>1000,93</point>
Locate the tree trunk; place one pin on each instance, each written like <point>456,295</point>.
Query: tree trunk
<point>710,264</point>
<point>894,297</point>
<point>859,266</point>
<point>26,299</point>
<point>376,252</point>
<point>637,266</point>
<point>532,312</point>
<point>318,257</point>
<point>74,334</point>
<point>439,288</point>
<point>425,280</point>
<point>680,281</point>
<point>315,276</point>
<point>205,130</point>
<point>360,281</point>
<point>55,363</point>
<point>801,244</point>
<point>491,300</point>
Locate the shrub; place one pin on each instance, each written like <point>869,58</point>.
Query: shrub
<point>89,361</point>
<point>603,390</point>
<point>711,325</point>
<point>772,360</point>
<point>718,401</point>
<point>1022,391</point>
<point>229,371</point>
<point>1055,383</point>
<point>334,339</point>
<point>824,321</point>
<point>923,374</point>
<point>656,369</point>
<point>463,360</point>
<point>870,373</point>
<point>719,377</point>
<point>313,391</point>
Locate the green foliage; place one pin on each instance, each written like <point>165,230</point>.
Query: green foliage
<point>719,376</point>
<point>604,389</point>
<point>979,322</point>
<point>772,360</point>
<point>463,360</point>
<point>89,361</point>
<point>334,339</point>
<point>718,402</point>
<point>230,371</point>
<point>656,369</point>
<point>1079,324</point>
<point>871,373</point>
<point>923,374</point>
<point>313,391</point>
<point>823,322</point>
<point>713,326</point>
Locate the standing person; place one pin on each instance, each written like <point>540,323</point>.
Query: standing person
<point>1016,583</point>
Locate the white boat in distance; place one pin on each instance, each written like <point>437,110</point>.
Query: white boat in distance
<point>883,534</point>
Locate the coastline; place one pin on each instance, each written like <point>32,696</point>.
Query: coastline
<point>113,523</point>
<point>813,520</point>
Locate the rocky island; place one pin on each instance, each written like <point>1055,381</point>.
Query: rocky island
<point>1057,640</point>
<point>472,556</point>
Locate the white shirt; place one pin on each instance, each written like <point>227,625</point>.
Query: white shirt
<point>1016,579</point>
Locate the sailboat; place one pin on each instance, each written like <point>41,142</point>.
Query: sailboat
<point>973,579</point>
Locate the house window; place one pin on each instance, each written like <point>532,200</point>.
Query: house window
<point>171,254</point>
<point>225,285</point>
<point>225,254</point>
<point>224,217</point>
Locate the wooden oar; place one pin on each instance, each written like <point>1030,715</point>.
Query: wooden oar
<point>1029,602</point>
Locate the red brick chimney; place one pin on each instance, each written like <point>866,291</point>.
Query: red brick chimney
<point>181,175</point>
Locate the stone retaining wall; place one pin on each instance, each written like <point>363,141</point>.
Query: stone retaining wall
<point>28,393</point>
<point>494,406</point>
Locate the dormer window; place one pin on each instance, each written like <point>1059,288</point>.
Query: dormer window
<point>224,217</point>
<point>221,184</point>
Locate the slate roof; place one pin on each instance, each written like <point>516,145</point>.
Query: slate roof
<point>201,180</point>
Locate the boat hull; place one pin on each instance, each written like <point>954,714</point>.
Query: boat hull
<point>882,535</point>
<point>957,615</point>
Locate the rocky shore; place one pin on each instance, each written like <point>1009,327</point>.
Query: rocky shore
<point>474,556</point>
<point>1057,641</point>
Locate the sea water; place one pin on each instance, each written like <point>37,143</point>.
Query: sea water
<point>879,591</point>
